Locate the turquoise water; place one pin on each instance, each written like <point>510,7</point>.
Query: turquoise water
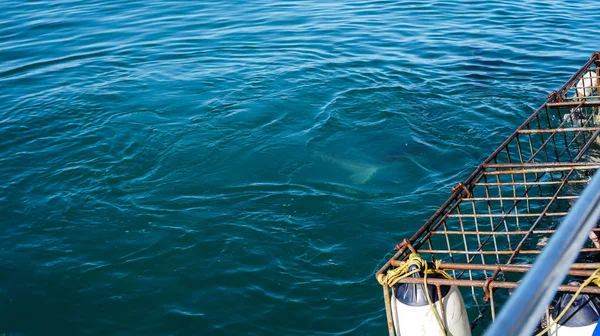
<point>244,167</point>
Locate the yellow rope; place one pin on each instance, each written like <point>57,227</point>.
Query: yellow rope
<point>435,313</point>
<point>394,276</point>
<point>594,278</point>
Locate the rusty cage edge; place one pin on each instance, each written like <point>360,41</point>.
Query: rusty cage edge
<point>556,99</point>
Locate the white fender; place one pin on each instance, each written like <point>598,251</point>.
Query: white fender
<point>587,85</point>
<point>412,320</point>
<point>580,319</point>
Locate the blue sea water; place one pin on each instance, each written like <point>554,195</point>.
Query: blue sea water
<point>244,167</point>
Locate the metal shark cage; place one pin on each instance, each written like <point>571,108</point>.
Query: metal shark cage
<point>489,232</point>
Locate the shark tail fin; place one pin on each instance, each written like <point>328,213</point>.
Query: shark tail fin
<point>363,176</point>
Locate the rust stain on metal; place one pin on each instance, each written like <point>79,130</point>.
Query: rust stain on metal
<point>461,186</point>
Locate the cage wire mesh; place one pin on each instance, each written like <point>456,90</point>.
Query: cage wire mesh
<point>490,231</point>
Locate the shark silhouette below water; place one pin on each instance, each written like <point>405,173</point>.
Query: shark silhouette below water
<point>360,172</point>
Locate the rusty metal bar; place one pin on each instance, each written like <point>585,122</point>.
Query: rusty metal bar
<point>507,252</point>
<point>588,267</point>
<point>493,227</point>
<point>583,270</point>
<point>497,232</point>
<point>541,164</point>
<point>558,130</point>
<point>534,183</point>
<point>508,215</point>
<point>541,170</point>
<point>524,198</point>
<point>388,310</point>
<point>493,284</point>
<point>577,103</point>
<point>577,98</point>
<point>478,239</point>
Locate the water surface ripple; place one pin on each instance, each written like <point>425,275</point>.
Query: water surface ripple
<point>243,167</point>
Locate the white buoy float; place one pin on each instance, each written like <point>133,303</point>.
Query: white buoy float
<point>413,314</point>
<point>580,319</point>
<point>587,85</point>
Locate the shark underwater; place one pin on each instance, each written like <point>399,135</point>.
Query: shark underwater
<point>360,172</point>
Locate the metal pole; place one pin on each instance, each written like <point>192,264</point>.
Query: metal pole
<point>523,311</point>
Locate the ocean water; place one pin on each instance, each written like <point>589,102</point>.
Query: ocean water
<point>244,167</point>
